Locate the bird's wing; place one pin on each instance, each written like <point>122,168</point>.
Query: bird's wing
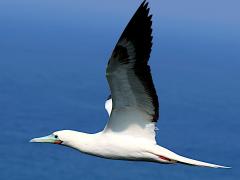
<point>108,105</point>
<point>135,107</point>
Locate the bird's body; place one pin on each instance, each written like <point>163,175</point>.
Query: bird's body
<point>123,147</point>
<point>111,146</point>
<point>133,106</point>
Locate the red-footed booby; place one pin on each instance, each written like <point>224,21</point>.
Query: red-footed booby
<point>133,106</point>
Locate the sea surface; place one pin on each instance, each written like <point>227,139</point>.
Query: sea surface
<point>53,55</point>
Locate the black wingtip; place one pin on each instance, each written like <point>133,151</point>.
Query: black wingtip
<point>144,3</point>
<point>139,31</point>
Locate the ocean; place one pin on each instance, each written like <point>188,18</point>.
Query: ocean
<point>53,56</point>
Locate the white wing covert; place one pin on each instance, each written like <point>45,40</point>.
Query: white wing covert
<point>108,105</point>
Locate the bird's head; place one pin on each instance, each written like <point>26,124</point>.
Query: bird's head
<point>58,137</point>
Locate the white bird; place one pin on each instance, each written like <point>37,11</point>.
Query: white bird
<point>133,105</point>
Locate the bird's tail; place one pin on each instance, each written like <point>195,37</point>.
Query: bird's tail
<point>188,161</point>
<point>170,157</point>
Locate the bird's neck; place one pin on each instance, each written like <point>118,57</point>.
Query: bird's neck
<point>83,142</point>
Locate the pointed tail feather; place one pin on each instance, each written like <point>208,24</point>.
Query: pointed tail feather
<point>193,162</point>
<point>170,157</point>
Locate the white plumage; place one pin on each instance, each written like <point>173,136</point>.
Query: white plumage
<point>108,106</point>
<point>133,106</point>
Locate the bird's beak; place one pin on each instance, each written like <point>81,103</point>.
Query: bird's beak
<point>47,139</point>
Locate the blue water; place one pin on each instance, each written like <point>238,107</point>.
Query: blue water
<point>53,56</point>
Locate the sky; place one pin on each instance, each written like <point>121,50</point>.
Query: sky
<point>53,55</point>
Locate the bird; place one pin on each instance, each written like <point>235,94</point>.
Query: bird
<point>133,106</point>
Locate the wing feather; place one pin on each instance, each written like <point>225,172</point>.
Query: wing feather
<point>135,104</point>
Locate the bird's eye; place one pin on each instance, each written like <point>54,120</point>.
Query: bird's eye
<point>56,136</point>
